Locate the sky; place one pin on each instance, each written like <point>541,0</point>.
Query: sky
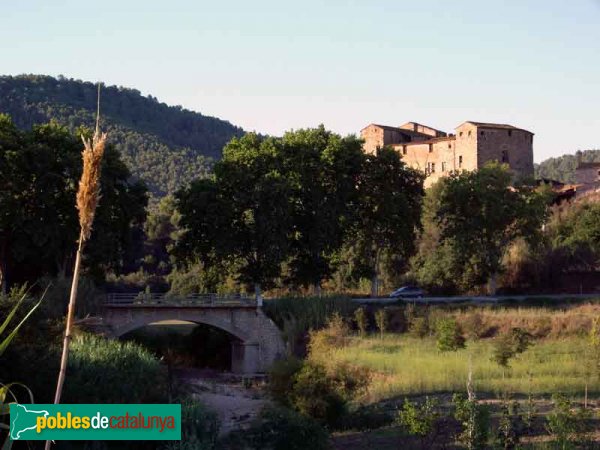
<point>271,66</point>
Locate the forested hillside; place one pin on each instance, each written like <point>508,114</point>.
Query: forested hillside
<point>563,167</point>
<point>165,146</point>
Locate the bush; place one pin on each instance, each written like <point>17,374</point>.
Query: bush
<point>316,395</point>
<point>360,317</point>
<point>473,326</point>
<point>334,335</point>
<point>419,327</point>
<point>474,418</point>
<point>511,426</point>
<point>566,424</point>
<point>281,378</point>
<point>381,320</point>
<point>449,336</point>
<point>109,371</point>
<point>508,345</point>
<point>199,428</point>
<point>364,418</point>
<point>420,420</point>
<point>281,429</point>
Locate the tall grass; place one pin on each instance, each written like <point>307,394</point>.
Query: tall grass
<point>405,365</point>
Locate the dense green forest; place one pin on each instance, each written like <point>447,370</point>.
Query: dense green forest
<point>165,146</point>
<point>563,167</point>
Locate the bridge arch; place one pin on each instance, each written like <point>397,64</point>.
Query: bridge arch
<point>259,342</point>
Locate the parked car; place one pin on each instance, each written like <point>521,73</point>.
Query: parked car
<point>408,292</point>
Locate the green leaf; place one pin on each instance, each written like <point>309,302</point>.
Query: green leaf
<point>4,344</point>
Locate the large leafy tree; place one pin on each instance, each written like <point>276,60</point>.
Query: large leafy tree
<point>39,170</point>
<point>240,217</point>
<point>389,213</point>
<point>480,213</point>
<point>323,169</point>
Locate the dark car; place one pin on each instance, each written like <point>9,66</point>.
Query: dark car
<point>408,292</point>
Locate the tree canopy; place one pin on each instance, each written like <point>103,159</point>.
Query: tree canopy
<point>39,172</point>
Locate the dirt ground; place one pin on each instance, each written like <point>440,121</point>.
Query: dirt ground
<point>235,404</point>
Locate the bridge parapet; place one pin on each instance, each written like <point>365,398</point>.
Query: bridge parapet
<point>200,300</point>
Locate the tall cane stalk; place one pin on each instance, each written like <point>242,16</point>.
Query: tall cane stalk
<point>87,200</point>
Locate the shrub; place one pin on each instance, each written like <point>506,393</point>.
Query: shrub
<point>349,380</point>
<point>360,317</point>
<point>420,420</point>
<point>565,424</point>
<point>473,326</point>
<point>316,395</point>
<point>110,371</point>
<point>508,345</point>
<point>364,418</point>
<point>199,428</point>
<point>511,426</point>
<point>334,335</point>
<point>281,429</point>
<point>474,418</point>
<point>381,320</point>
<point>449,336</point>
<point>281,378</point>
<point>419,327</point>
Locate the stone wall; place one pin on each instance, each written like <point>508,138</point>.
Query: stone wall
<point>511,146</point>
<point>588,173</point>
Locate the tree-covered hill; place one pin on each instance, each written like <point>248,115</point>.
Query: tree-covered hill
<point>563,167</point>
<point>165,146</point>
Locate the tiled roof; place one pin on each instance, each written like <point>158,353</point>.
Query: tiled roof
<point>501,126</point>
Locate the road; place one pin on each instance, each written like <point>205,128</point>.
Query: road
<point>477,299</point>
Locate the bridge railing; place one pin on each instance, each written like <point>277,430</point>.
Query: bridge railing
<point>144,298</point>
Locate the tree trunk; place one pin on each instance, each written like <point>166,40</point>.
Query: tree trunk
<point>317,290</point>
<point>492,284</point>
<point>258,294</point>
<point>375,277</point>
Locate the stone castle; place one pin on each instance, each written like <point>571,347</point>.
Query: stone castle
<point>438,154</point>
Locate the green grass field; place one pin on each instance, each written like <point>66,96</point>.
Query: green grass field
<point>406,365</point>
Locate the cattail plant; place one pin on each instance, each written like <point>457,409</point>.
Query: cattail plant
<point>88,195</point>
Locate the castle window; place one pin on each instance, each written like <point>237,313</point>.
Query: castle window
<point>482,133</point>
<point>509,133</point>
<point>430,148</point>
<point>459,161</point>
<point>432,167</point>
<point>469,132</point>
<point>443,166</point>
<point>449,145</point>
<point>460,134</point>
<point>404,149</point>
<point>504,156</point>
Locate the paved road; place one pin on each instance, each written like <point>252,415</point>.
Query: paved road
<point>477,299</point>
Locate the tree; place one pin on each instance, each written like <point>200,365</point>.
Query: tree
<point>389,212</point>
<point>480,214</point>
<point>360,317</point>
<point>40,170</point>
<point>508,345</point>
<point>242,216</point>
<point>323,169</point>
<point>420,420</point>
<point>381,320</point>
<point>449,336</point>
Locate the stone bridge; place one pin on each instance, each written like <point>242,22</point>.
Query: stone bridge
<point>257,341</point>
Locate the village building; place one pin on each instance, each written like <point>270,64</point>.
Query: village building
<point>438,153</point>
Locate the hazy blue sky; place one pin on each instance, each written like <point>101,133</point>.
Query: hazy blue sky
<point>274,65</point>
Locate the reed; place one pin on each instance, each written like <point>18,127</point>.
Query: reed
<point>88,195</point>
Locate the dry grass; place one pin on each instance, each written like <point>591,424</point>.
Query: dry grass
<point>541,322</point>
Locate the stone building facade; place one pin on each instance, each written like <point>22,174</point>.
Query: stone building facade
<point>587,176</point>
<point>438,154</point>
